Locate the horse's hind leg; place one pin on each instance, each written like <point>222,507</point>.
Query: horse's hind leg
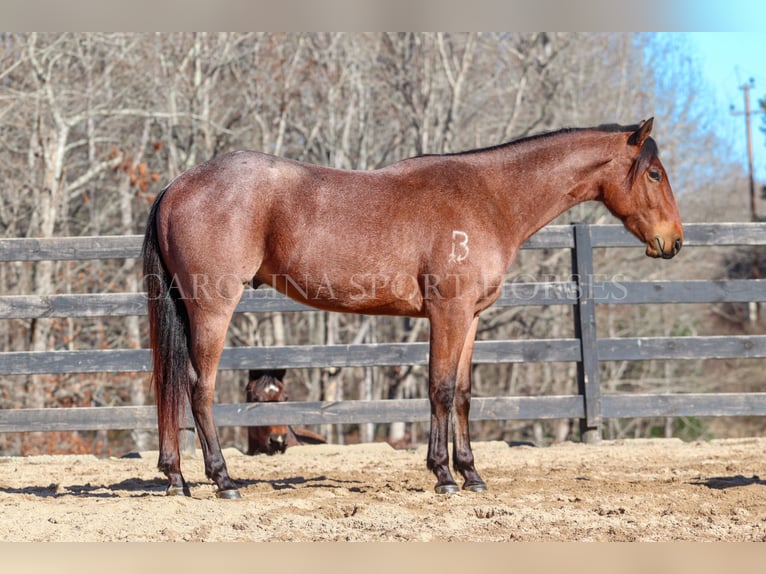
<point>462,456</point>
<point>209,321</point>
<point>170,462</point>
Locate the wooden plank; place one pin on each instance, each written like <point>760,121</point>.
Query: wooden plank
<point>303,413</point>
<point>70,248</point>
<point>684,405</point>
<point>612,235</point>
<point>294,413</point>
<point>527,351</point>
<point>91,361</point>
<point>405,410</point>
<point>717,347</point>
<point>550,237</point>
<point>695,235</point>
<point>304,356</point>
<point>294,356</point>
<point>263,300</point>
<point>724,234</point>
<point>527,408</point>
<point>663,292</point>
<point>524,294</point>
<point>401,410</point>
<point>390,354</point>
<point>121,305</point>
<point>266,300</point>
<point>80,418</point>
<point>129,246</point>
<point>393,354</point>
<point>72,305</point>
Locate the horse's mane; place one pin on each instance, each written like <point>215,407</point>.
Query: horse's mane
<point>608,128</point>
<point>648,151</point>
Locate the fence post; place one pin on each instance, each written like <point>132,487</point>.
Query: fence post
<point>588,383</point>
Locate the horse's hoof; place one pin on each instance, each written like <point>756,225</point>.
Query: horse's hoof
<point>480,486</point>
<point>230,494</point>
<point>446,488</point>
<point>177,491</point>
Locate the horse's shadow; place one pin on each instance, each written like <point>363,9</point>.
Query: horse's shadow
<point>725,482</point>
<point>134,486</point>
<point>296,482</point>
<point>137,487</point>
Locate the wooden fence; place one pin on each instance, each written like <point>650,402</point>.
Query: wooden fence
<point>584,292</point>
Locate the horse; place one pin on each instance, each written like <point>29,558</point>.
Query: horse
<point>267,386</point>
<point>430,236</point>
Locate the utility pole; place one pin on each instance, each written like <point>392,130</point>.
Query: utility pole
<point>747,113</point>
<point>753,306</point>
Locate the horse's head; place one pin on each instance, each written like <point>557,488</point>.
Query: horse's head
<point>266,387</point>
<point>644,201</point>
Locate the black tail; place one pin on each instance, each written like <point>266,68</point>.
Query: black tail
<point>168,327</point>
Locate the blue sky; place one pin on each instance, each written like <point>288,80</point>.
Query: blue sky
<point>728,60</point>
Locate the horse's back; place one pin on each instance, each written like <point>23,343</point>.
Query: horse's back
<point>249,181</point>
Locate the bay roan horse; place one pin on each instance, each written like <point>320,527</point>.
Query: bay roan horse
<point>429,236</point>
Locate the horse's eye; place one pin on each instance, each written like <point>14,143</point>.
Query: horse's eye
<point>655,174</point>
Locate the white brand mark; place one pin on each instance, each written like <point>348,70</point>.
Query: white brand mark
<point>459,247</point>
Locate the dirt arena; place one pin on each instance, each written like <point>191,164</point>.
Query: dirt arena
<point>635,490</point>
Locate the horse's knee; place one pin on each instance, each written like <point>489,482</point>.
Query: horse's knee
<point>442,391</point>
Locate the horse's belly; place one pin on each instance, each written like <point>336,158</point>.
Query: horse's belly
<point>367,293</point>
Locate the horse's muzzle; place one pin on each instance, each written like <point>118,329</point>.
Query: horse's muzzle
<point>277,444</point>
<point>665,249</point>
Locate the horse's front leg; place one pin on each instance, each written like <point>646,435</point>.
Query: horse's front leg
<point>449,328</point>
<point>441,391</point>
<point>462,457</point>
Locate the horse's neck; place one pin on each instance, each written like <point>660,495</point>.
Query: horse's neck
<point>538,181</point>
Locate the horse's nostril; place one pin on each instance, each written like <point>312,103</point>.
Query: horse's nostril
<point>677,245</point>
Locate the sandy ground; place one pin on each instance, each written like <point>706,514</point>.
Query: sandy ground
<point>647,490</point>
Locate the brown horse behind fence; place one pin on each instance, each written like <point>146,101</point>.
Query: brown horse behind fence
<point>267,386</point>
<point>430,236</point>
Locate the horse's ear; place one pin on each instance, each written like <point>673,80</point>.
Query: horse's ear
<point>639,136</point>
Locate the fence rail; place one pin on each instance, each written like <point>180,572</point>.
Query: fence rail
<point>584,292</point>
